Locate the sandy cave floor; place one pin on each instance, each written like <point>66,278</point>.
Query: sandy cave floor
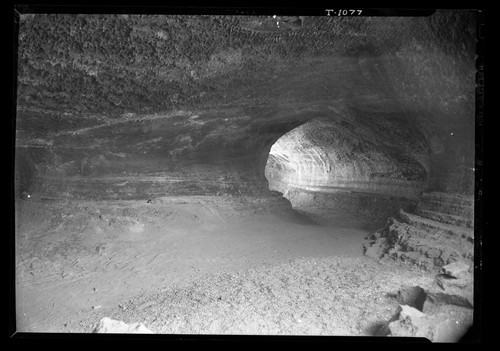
<point>200,265</point>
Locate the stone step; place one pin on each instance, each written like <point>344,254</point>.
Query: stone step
<point>426,223</point>
<point>425,243</point>
<point>445,218</point>
<point>451,209</point>
<point>453,204</point>
<point>427,238</point>
<point>414,238</point>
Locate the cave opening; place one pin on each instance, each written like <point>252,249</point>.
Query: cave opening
<point>327,165</point>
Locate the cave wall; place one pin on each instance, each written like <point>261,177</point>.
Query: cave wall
<point>133,106</point>
<point>434,73</point>
<point>25,173</point>
<point>325,155</point>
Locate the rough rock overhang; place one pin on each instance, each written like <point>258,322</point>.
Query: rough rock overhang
<point>193,104</point>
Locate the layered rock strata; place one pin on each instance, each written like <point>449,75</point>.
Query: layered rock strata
<point>439,232</point>
<point>348,163</point>
<point>99,95</point>
<point>352,154</point>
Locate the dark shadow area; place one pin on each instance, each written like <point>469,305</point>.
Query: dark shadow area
<point>300,217</point>
<point>378,329</point>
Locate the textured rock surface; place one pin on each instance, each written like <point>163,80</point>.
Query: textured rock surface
<point>426,242</point>
<point>461,289</point>
<point>135,106</point>
<point>354,114</point>
<point>327,155</point>
<point>413,296</point>
<point>428,313</point>
<point>446,324</point>
<point>348,165</point>
<point>456,269</point>
<point>447,208</point>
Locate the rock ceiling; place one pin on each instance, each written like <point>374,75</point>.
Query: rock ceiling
<point>193,104</point>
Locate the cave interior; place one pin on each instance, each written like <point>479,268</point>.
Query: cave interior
<point>246,174</point>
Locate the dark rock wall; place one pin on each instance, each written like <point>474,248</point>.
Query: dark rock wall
<point>134,106</point>
<point>434,74</point>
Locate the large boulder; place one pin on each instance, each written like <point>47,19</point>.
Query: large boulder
<point>457,280</point>
<point>447,324</point>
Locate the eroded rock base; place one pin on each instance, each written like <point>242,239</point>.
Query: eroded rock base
<point>437,236</point>
<point>438,232</point>
<point>377,207</point>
